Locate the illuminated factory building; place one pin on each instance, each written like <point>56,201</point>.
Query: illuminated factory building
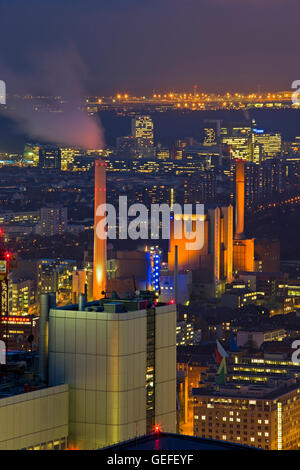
<point>238,137</point>
<point>212,263</point>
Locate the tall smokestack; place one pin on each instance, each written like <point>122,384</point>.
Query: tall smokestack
<point>176,275</point>
<point>99,268</point>
<point>239,200</point>
<point>47,301</point>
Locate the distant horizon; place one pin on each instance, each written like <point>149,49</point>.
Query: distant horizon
<point>95,46</point>
<point>161,92</point>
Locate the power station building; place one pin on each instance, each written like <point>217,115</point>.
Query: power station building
<point>224,252</point>
<point>212,264</point>
<point>118,358</point>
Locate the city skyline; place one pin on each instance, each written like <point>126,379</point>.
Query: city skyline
<point>149,228</point>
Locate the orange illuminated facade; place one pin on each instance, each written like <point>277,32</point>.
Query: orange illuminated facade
<point>214,261</point>
<point>243,249</point>
<point>189,376</point>
<point>240,199</point>
<point>243,255</point>
<point>99,268</point>
<point>187,259</point>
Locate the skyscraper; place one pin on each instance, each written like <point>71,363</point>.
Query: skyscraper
<point>243,248</point>
<point>142,130</point>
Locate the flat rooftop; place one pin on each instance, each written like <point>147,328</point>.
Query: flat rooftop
<point>168,441</point>
<point>115,304</point>
<point>251,391</point>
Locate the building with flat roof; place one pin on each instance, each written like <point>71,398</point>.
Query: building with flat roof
<point>119,359</point>
<point>263,416</point>
<point>169,441</point>
<point>34,420</point>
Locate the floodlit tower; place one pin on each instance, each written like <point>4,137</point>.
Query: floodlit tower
<point>240,200</point>
<point>5,259</point>
<point>243,248</point>
<point>99,269</point>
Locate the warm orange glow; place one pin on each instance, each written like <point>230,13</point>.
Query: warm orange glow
<point>99,271</point>
<point>187,259</point>
<point>240,199</point>
<point>243,255</point>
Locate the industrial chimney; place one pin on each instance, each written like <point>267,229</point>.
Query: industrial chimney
<point>47,301</point>
<point>240,200</point>
<point>99,268</point>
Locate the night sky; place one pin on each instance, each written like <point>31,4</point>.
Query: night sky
<point>144,45</point>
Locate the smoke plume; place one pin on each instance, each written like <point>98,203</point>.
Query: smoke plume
<point>60,76</point>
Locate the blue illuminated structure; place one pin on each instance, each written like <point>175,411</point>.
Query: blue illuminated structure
<point>156,272</point>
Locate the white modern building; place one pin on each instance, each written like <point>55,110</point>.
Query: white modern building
<point>36,420</point>
<point>119,359</point>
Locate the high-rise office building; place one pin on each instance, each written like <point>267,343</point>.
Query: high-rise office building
<point>50,157</point>
<point>238,137</point>
<point>142,130</point>
<point>243,248</point>
<point>53,221</point>
<point>271,142</point>
<point>213,261</point>
<point>119,359</point>
<point>212,132</point>
<point>68,154</point>
<point>55,275</point>
<point>20,296</point>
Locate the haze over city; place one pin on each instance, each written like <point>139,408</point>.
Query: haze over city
<point>149,229</point>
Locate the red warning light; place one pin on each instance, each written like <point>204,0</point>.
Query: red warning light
<point>8,255</point>
<point>172,301</point>
<point>157,428</point>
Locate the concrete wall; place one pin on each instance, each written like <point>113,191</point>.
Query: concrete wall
<point>102,356</point>
<point>34,418</point>
<point>165,368</point>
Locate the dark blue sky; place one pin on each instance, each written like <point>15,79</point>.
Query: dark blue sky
<point>105,46</point>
